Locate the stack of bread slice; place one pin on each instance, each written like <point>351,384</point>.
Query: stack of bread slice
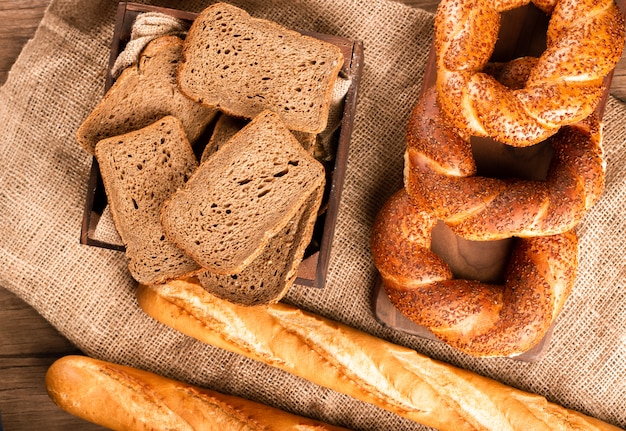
<point>241,217</point>
<point>248,212</point>
<point>144,93</point>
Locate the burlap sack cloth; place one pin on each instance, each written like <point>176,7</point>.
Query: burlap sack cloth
<point>88,294</point>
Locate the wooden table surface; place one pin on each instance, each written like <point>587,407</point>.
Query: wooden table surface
<point>28,343</point>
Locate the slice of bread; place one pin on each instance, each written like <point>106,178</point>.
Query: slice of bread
<point>143,94</point>
<point>268,278</point>
<point>226,126</point>
<point>242,196</point>
<point>140,170</point>
<point>245,65</point>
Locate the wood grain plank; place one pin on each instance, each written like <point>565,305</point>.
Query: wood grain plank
<point>618,85</point>
<point>24,403</point>
<point>28,345</point>
<point>427,5</point>
<point>19,22</point>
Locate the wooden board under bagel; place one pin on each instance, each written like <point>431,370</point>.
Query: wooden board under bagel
<point>522,33</point>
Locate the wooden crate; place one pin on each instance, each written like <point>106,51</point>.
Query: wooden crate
<point>313,269</point>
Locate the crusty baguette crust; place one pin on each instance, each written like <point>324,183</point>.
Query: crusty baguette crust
<point>125,398</point>
<point>358,364</point>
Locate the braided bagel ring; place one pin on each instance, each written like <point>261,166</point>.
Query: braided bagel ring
<point>479,319</point>
<point>585,39</point>
<point>440,177</point>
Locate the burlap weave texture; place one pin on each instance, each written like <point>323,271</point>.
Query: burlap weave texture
<point>88,294</point>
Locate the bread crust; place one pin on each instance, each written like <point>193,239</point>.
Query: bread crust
<point>125,398</point>
<point>241,196</point>
<point>140,170</point>
<point>268,278</point>
<point>357,364</point>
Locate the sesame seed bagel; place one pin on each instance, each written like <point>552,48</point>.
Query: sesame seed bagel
<point>585,40</point>
<point>440,177</point>
<point>480,319</point>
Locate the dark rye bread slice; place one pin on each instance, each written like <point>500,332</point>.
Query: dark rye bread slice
<point>140,170</point>
<point>268,278</point>
<point>144,93</point>
<point>226,126</point>
<point>245,65</point>
<point>242,196</point>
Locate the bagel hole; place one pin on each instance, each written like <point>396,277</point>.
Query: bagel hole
<point>484,261</point>
<point>522,32</point>
<point>496,160</point>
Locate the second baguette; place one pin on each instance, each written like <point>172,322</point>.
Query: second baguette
<point>126,398</point>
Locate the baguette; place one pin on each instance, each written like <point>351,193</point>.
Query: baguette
<point>125,398</point>
<point>357,364</point>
